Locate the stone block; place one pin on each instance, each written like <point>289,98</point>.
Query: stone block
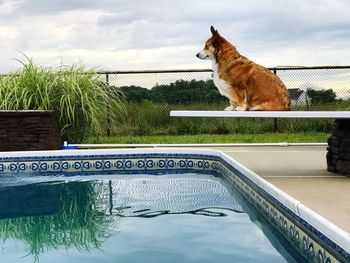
<point>28,130</point>
<point>338,155</point>
<point>343,167</point>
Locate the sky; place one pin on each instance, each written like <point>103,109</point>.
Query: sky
<point>158,34</point>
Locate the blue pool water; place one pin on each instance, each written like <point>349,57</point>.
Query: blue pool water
<point>131,218</point>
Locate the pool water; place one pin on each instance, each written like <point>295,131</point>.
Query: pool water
<point>131,218</point>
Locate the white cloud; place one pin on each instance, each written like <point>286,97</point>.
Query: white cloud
<point>104,59</point>
<point>166,34</point>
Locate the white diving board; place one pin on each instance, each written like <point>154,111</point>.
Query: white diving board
<point>264,114</point>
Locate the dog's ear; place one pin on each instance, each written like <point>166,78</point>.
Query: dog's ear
<point>214,31</point>
<point>216,37</point>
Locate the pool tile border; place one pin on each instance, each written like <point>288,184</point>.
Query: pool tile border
<point>302,236</point>
<point>115,163</point>
<point>326,243</point>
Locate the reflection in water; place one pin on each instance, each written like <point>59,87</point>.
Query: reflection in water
<point>63,215</point>
<point>147,213</point>
<point>150,198</point>
<point>83,214</point>
<point>29,200</point>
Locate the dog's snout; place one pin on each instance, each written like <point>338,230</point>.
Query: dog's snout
<point>202,55</point>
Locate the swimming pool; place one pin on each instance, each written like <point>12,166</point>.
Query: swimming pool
<point>173,205</point>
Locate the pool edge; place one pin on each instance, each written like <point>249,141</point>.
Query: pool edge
<point>327,228</point>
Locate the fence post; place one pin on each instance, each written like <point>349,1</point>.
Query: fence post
<point>275,119</point>
<point>108,109</point>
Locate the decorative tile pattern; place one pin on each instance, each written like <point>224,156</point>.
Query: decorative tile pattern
<point>109,163</point>
<point>312,244</point>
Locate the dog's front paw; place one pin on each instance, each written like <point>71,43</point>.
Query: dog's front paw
<point>240,109</point>
<point>230,108</point>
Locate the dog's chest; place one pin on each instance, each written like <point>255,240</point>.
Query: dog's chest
<point>222,85</point>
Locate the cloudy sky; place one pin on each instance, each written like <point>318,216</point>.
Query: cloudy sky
<point>158,34</point>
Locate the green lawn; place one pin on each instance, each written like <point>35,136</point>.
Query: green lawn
<point>153,119</point>
<point>212,138</point>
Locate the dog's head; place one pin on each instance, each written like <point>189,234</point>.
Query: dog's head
<point>212,44</point>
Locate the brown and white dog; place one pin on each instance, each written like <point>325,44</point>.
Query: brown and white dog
<point>248,85</point>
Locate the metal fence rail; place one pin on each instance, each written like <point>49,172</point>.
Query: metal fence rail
<point>146,117</point>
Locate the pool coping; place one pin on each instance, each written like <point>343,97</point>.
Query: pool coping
<point>331,231</point>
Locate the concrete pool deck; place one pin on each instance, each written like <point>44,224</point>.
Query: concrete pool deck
<point>302,173</point>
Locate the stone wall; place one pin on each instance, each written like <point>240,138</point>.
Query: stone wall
<point>28,131</point>
<point>338,155</point>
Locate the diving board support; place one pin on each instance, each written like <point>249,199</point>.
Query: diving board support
<point>338,150</point>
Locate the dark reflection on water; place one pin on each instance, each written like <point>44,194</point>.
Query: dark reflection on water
<point>102,219</point>
<point>29,200</point>
<point>148,213</point>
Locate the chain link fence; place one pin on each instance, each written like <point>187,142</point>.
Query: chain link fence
<point>150,96</point>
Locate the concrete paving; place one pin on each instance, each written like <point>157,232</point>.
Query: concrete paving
<point>301,172</point>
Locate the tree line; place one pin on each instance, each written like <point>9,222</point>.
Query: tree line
<point>321,96</point>
<point>199,91</point>
<point>178,92</point>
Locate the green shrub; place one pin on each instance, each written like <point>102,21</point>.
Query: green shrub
<point>83,103</point>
